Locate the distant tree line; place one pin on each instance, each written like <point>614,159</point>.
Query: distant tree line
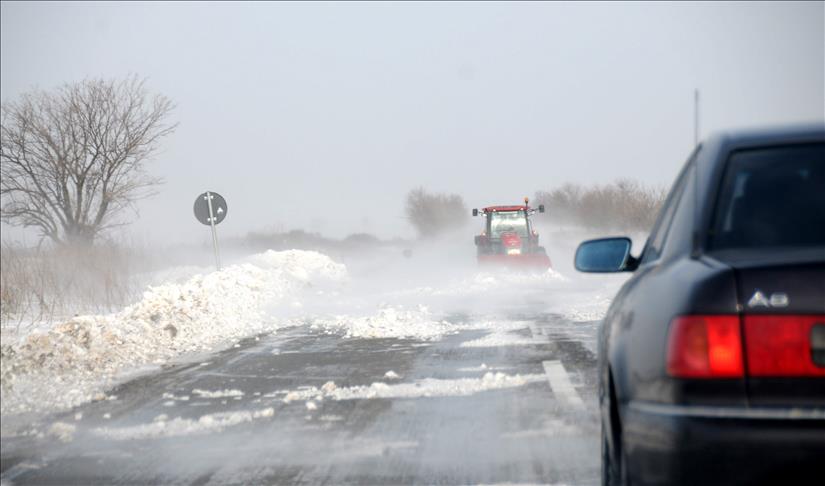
<point>433,214</point>
<point>621,205</point>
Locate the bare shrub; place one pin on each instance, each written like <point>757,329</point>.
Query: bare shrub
<point>43,284</point>
<point>622,205</point>
<point>434,214</point>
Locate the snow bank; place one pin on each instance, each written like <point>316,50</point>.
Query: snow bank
<point>74,361</point>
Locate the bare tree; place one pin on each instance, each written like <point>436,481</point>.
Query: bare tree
<point>72,159</point>
<point>433,214</point>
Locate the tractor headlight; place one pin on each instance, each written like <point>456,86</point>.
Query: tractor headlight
<point>514,251</point>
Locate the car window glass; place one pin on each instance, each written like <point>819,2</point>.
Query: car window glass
<point>508,222</point>
<point>771,198</point>
<point>657,237</point>
<point>679,237</point>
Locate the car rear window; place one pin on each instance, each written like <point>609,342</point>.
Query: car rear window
<point>772,198</point>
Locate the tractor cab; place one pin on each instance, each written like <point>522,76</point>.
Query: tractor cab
<point>508,237</point>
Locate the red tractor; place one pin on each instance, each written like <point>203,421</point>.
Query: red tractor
<point>509,238</point>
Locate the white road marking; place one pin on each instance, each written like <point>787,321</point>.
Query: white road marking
<point>560,383</point>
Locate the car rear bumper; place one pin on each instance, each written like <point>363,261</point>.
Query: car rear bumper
<point>672,444</point>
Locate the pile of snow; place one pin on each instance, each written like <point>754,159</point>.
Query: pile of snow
<point>428,387</point>
<point>297,268</point>
<point>74,361</point>
<point>388,322</point>
<point>217,394</point>
<point>163,427</point>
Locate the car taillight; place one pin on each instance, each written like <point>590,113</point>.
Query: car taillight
<point>705,347</point>
<point>781,345</point>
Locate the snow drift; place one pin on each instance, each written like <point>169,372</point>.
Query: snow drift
<point>75,361</point>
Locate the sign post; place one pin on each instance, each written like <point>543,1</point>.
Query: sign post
<point>210,209</point>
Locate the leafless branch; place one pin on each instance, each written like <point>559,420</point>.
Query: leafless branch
<point>71,160</point>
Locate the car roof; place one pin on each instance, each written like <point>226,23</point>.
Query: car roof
<point>750,137</point>
<point>716,149</point>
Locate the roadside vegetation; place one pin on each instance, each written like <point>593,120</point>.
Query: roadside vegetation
<point>624,205</point>
<point>73,165</point>
<point>52,283</point>
<point>433,214</point>
<point>55,282</point>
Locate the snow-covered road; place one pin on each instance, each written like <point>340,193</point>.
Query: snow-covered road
<point>480,378</point>
<point>309,407</point>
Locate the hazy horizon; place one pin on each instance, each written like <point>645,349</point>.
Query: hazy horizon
<point>322,116</point>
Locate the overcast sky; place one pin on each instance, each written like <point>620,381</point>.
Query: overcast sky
<point>322,116</point>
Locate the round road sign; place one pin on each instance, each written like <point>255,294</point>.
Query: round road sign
<point>219,208</point>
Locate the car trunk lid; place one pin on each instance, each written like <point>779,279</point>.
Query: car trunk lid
<point>782,302</point>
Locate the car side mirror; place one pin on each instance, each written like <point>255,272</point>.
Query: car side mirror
<point>541,208</point>
<point>475,212</point>
<point>605,255</point>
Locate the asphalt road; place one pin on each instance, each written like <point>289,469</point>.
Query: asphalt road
<point>522,412</point>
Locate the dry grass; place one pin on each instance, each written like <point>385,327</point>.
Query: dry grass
<point>45,284</point>
<point>623,205</point>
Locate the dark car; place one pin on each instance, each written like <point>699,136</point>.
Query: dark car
<point>712,355</point>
